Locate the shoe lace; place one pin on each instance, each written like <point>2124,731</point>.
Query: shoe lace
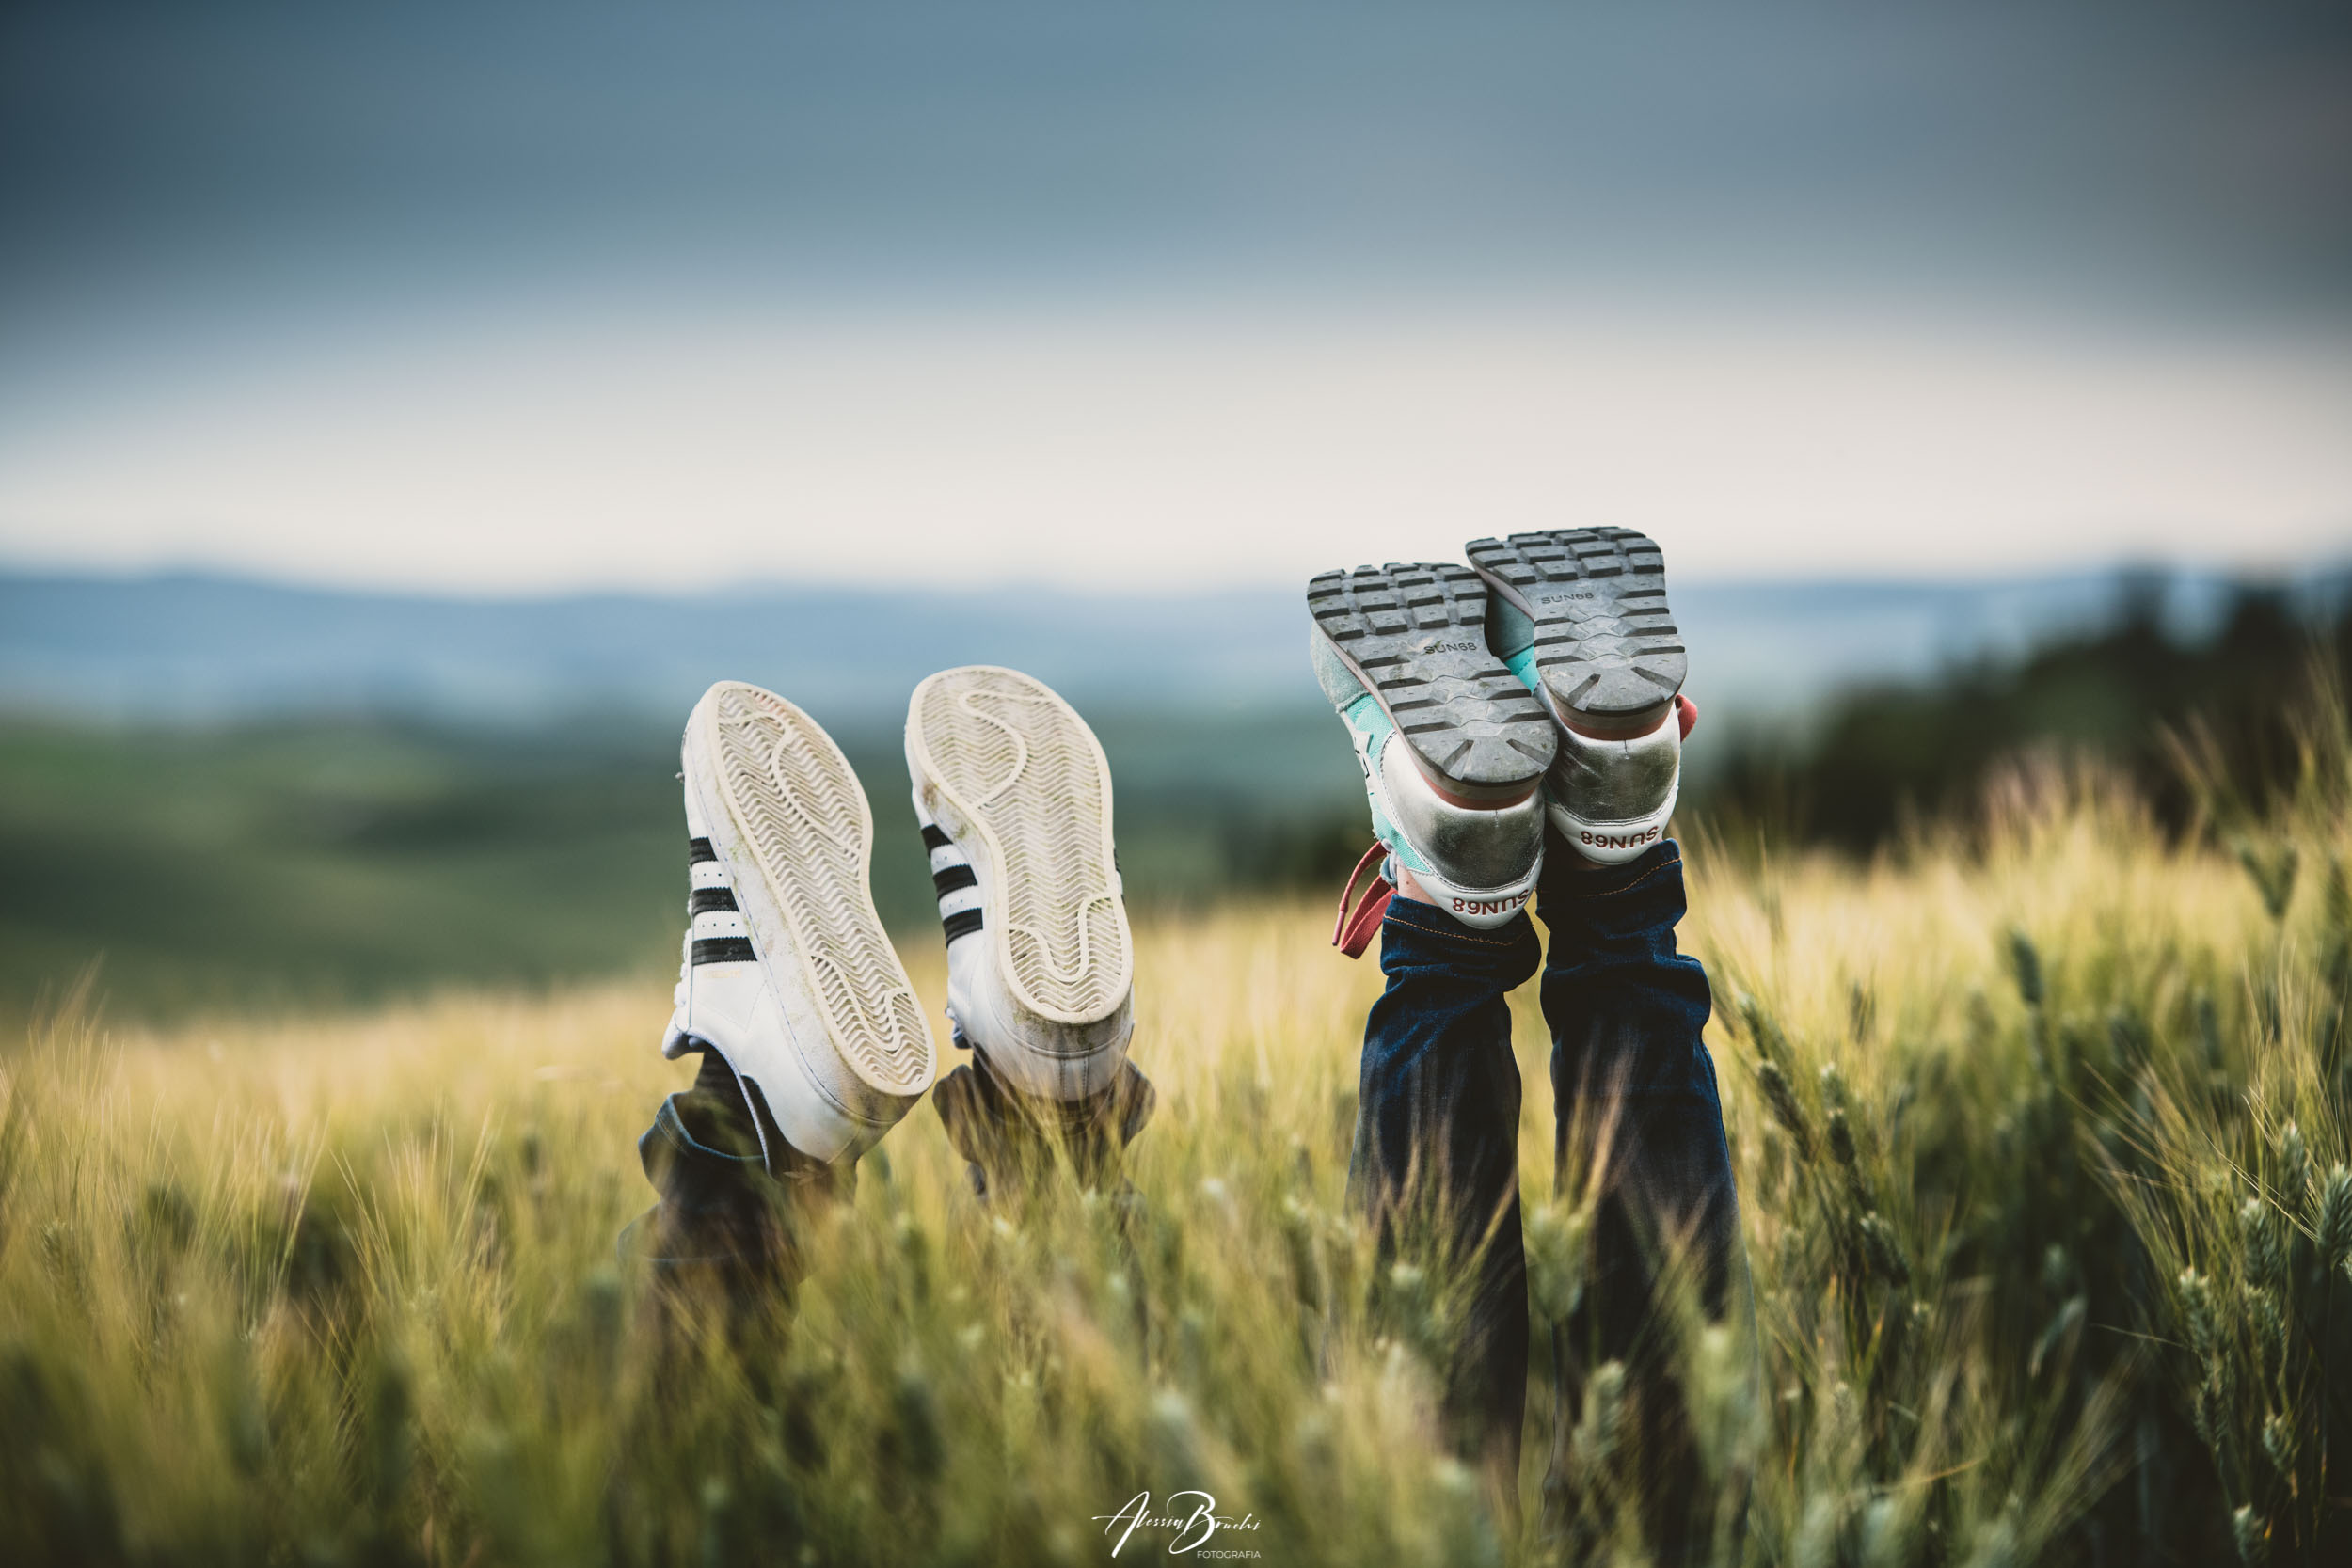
<point>1351,933</point>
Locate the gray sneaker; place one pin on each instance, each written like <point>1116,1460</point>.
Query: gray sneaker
<point>1453,749</point>
<point>1579,616</point>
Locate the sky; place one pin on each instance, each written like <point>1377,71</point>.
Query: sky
<point>497,298</point>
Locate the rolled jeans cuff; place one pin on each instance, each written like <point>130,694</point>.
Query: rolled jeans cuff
<point>1604,904</point>
<point>1418,939</point>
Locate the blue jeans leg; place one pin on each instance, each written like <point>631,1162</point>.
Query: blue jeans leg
<point>1640,1120</point>
<point>1435,1162</point>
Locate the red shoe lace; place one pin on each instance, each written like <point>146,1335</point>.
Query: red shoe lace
<point>1351,932</point>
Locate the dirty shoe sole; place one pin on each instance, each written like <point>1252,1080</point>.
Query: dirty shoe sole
<point>1012,775</point>
<point>1416,636</point>
<point>1607,650</point>
<point>786,819</point>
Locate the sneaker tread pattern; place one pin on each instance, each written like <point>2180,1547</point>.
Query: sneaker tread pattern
<point>1606,644</point>
<point>1021,765</point>
<point>1417,635</point>
<point>806,822</point>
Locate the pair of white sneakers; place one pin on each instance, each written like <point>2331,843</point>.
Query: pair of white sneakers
<point>1542,680</point>
<point>786,970</point>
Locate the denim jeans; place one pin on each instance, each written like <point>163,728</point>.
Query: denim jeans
<point>1437,1148</point>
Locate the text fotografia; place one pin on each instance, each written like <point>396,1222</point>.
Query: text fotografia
<point>1192,1515</point>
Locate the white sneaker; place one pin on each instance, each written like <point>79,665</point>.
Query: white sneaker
<point>1579,616</point>
<point>1014,798</point>
<point>1452,746</point>
<point>786,970</point>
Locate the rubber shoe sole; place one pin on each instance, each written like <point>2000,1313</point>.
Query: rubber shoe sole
<point>788,818</point>
<point>1606,649</point>
<point>1015,777</point>
<point>1415,635</point>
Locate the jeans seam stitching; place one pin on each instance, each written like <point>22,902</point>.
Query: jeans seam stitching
<point>1411,924</point>
<point>1668,864</point>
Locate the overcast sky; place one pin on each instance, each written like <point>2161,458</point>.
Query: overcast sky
<point>501,297</point>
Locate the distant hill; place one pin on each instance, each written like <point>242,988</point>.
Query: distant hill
<point>193,648</point>
<point>249,795</point>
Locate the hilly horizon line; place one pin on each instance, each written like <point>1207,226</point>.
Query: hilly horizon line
<point>2323,573</point>
<point>210,647</point>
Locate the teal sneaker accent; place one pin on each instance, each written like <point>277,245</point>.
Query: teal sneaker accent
<point>1522,664</point>
<point>1369,726</point>
<point>1509,632</point>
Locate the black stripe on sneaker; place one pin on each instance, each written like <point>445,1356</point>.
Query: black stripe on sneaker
<point>705,899</point>
<point>699,850</point>
<point>947,878</point>
<point>961,924</point>
<point>723,950</point>
<point>934,838</point>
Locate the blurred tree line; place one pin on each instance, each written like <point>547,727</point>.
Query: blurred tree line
<point>2135,692</point>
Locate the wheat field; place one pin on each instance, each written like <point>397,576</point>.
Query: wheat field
<point>2041,1138</point>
